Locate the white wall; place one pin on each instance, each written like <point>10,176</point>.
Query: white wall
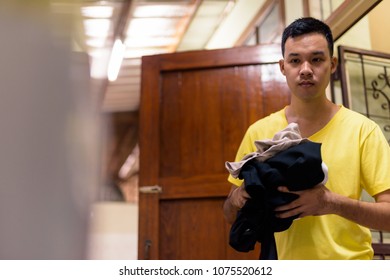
<point>114,231</point>
<point>379,22</point>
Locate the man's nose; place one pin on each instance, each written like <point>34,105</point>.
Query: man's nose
<point>306,70</point>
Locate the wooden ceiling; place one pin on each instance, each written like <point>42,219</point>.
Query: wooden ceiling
<point>145,27</point>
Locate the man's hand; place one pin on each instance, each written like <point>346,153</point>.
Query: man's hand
<point>234,202</point>
<point>321,201</point>
<point>238,196</point>
<point>311,202</point>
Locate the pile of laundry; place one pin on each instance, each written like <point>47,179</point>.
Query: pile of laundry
<point>286,160</point>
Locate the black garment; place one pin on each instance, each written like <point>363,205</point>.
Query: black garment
<point>299,167</point>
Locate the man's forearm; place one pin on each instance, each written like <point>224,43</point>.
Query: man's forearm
<point>235,200</point>
<point>368,214</point>
<point>229,211</point>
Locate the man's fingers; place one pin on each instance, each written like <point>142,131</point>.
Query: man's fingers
<point>283,189</point>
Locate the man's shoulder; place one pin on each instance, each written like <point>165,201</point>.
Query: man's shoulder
<point>277,118</point>
<point>356,118</point>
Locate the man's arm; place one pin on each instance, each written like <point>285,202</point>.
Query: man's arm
<point>234,202</point>
<point>320,201</point>
<point>374,215</point>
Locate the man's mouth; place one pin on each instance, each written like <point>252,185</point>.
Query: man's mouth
<point>306,84</point>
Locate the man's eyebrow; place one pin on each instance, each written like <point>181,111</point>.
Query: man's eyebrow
<point>313,53</point>
<point>318,53</point>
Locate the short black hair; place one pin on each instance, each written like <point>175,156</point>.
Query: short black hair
<point>307,25</point>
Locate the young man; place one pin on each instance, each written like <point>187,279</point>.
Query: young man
<point>333,223</point>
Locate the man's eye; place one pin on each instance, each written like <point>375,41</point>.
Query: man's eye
<point>294,60</point>
<point>317,59</point>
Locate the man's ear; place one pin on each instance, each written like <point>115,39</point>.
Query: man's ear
<point>281,66</point>
<point>333,64</point>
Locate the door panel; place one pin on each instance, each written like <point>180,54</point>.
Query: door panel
<point>195,109</point>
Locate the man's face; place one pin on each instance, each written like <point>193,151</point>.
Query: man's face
<point>307,65</point>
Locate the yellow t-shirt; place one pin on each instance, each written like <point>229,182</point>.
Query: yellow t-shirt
<point>358,156</point>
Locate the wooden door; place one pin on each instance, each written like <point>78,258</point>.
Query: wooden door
<point>195,108</point>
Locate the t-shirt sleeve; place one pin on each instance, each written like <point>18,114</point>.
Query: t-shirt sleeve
<point>375,156</point>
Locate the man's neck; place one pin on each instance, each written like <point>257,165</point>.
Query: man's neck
<point>311,116</point>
